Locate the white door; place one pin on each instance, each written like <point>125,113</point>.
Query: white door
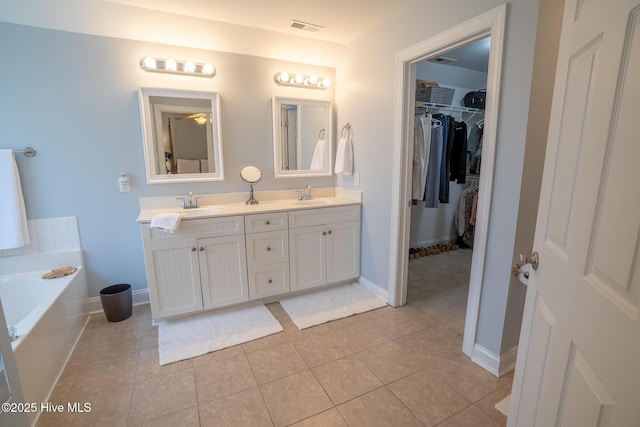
<point>579,353</point>
<point>10,389</point>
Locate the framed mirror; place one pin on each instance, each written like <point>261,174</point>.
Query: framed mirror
<point>302,137</point>
<point>182,138</point>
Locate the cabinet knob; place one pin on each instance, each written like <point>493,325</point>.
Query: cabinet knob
<point>201,248</point>
<point>267,222</point>
<point>268,248</point>
<point>329,231</point>
<point>269,281</point>
<point>193,249</point>
<point>324,233</point>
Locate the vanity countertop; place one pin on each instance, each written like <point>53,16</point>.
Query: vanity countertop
<point>219,205</point>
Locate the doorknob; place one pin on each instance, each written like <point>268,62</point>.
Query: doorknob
<point>534,260</point>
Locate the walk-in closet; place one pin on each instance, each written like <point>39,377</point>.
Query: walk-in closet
<point>446,165</point>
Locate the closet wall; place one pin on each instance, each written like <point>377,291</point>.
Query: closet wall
<point>435,225</point>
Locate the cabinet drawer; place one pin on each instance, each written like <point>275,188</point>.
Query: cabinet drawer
<point>317,216</point>
<point>268,280</point>
<point>266,222</point>
<point>206,227</point>
<point>267,248</point>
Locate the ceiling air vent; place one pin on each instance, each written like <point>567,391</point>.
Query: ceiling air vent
<point>300,25</point>
<point>444,60</point>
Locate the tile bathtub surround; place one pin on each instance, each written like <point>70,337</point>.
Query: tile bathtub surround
<point>49,235</point>
<point>386,367</point>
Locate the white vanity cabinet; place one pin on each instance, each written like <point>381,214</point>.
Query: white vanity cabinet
<point>201,266</point>
<point>324,246</point>
<point>218,261</point>
<point>267,254</point>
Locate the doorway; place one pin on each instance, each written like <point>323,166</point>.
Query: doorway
<point>489,24</point>
<point>446,165</point>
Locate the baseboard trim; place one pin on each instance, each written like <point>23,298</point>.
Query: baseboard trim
<point>374,289</point>
<point>93,305</point>
<point>497,365</point>
<point>435,241</point>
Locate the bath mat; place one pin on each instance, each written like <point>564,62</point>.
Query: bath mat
<point>324,305</point>
<point>503,405</point>
<point>193,336</point>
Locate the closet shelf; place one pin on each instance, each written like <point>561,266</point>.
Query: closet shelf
<point>453,108</point>
<point>433,106</point>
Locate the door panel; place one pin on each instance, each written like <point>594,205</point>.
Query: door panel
<point>223,269</point>
<point>580,339</point>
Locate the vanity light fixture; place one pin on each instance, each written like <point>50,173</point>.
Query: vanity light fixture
<point>174,66</point>
<point>299,80</point>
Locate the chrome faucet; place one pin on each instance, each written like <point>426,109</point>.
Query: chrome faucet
<point>305,194</point>
<point>189,202</point>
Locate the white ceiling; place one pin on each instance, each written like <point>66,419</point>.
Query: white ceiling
<point>342,20</point>
<point>474,56</point>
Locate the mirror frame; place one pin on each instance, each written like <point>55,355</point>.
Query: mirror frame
<point>279,172</point>
<point>149,135</point>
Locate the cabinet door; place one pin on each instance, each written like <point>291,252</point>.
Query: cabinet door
<point>307,257</point>
<point>343,251</point>
<point>174,277</point>
<point>223,270</point>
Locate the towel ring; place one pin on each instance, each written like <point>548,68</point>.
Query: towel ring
<point>321,134</point>
<point>348,128</point>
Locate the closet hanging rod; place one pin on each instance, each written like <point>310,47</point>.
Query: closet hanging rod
<point>28,151</point>
<point>456,108</point>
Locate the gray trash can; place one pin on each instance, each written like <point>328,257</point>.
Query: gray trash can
<point>117,302</point>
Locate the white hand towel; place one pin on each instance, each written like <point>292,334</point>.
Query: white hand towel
<point>166,221</point>
<point>344,157</point>
<point>317,161</point>
<point>14,228</point>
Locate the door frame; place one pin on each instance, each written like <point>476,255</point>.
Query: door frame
<point>489,24</point>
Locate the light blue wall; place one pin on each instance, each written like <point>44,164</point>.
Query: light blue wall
<point>74,98</point>
<point>367,98</point>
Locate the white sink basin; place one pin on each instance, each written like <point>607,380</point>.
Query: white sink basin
<point>315,202</point>
<point>198,211</point>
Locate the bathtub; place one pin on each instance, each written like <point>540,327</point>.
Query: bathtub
<point>49,316</point>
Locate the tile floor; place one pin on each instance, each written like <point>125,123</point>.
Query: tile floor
<point>387,367</point>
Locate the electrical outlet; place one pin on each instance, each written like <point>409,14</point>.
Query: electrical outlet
<point>356,179</point>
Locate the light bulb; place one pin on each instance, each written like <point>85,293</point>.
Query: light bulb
<point>190,67</point>
<point>149,62</point>
<point>207,69</point>
<point>284,77</point>
<point>299,78</point>
<point>171,65</point>
<point>326,82</point>
<point>313,80</point>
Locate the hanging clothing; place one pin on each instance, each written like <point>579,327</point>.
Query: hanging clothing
<point>474,148</point>
<point>469,228</point>
<point>458,160</point>
<point>421,147</point>
<point>447,144</point>
<point>432,185</point>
